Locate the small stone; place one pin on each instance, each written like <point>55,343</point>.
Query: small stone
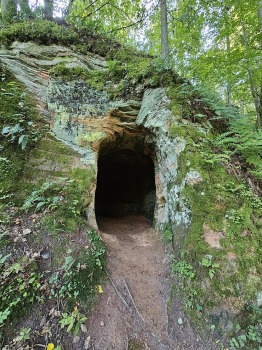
<point>259,299</point>
<point>231,256</point>
<point>180,321</point>
<point>102,324</point>
<point>87,342</point>
<point>193,178</point>
<point>76,339</point>
<point>26,231</point>
<point>245,233</point>
<point>45,254</point>
<point>212,238</point>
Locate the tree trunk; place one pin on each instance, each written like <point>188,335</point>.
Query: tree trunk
<point>256,91</point>
<point>259,120</point>
<point>228,84</point>
<point>9,10</point>
<point>164,32</point>
<point>48,9</point>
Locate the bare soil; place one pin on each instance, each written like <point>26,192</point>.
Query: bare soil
<point>132,310</point>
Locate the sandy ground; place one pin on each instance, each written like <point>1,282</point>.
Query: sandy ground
<point>132,310</point>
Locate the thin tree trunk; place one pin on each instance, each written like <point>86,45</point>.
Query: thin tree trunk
<point>228,84</point>
<point>164,32</point>
<point>259,121</point>
<point>256,93</point>
<point>48,9</point>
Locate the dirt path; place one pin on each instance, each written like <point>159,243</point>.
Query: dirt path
<point>132,311</point>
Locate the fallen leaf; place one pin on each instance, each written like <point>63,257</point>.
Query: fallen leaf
<point>87,342</point>
<point>50,346</point>
<point>83,328</point>
<point>99,288</point>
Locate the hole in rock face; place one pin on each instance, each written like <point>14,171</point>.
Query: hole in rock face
<point>125,184</point>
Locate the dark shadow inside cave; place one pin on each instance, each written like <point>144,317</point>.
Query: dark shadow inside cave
<point>125,184</point>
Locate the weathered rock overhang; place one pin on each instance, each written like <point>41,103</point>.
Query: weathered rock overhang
<point>95,126</point>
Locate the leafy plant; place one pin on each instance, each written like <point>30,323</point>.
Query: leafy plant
<point>214,158</point>
<point>15,133</point>
<point>23,335</point>
<point>167,234</point>
<point>74,321</point>
<point>19,285</point>
<point>235,216</point>
<point>242,139</point>
<point>211,266</point>
<point>247,333</point>
<point>43,197</point>
<point>77,278</point>
<point>183,269</point>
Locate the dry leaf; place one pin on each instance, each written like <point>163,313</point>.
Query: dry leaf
<point>83,328</point>
<point>87,342</point>
<point>76,339</point>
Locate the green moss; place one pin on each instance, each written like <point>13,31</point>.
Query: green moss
<point>83,178</point>
<point>135,345</point>
<point>40,31</point>
<point>84,140</point>
<point>18,115</point>
<point>51,144</point>
<point>225,205</point>
<point>94,78</point>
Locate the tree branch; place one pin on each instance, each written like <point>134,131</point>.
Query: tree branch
<point>132,23</point>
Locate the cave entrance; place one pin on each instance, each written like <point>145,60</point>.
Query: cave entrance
<point>125,184</point>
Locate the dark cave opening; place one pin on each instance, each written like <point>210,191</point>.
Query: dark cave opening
<point>125,184</point>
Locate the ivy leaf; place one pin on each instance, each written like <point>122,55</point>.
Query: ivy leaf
<point>23,140</point>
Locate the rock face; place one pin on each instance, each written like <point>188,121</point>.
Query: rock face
<point>191,199</point>
<point>30,63</point>
<point>154,115</point>
<point>87,121</point>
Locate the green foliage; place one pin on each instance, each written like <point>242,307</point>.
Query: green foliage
<point>46,32</point>
<point>16,133</point>
<point>40,31</point>
<point>86,279</point>
<point>183,269</point>
<point>244,140</point>
<point>20,130</point>
<point>78,278</point>
<point>24,334</point>
<point>211,266</point>
<point>19,286</point>
<point>73,321</point>
<point>202,105</point>
<point>101,17</point>
<point>64,201</point>
<point>44,197</point>
<point>9,15</point>
<point>247,333</point>
<point>167,234</point>
<point>94,78</point>
<point>222,206</point>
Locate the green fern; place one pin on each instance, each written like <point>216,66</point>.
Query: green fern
<point>243,139</point>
